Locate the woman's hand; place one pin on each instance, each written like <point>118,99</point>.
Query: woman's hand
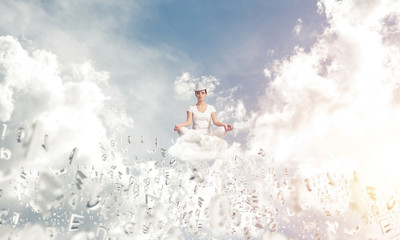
<point>184,124</point>
<point>177,127</point>
<point>228,127</point>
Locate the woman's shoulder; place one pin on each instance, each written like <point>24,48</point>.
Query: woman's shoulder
<point>211,108</point>
<point>191,108</point>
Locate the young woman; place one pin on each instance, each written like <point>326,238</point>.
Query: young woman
<point>201,114</point>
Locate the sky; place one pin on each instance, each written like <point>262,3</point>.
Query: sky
<point>311,88</point>
<point>145,46</point>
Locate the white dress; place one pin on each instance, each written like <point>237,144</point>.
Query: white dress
<point>202,122</point>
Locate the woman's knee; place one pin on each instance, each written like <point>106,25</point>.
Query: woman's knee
<point>183,131</point>
<point>220,132</point>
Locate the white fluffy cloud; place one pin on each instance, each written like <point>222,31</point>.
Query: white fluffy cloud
<point>197,147</point>
<point>36,76</point>
<point>336,106</point>
<point>338,93</point>
<point>69,103</point>
<point>233,110</point>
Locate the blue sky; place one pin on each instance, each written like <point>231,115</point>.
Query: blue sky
<point>225,39</point>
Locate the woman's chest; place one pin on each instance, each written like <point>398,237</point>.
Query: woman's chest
<point>201,108</point>
<point>201,116</point>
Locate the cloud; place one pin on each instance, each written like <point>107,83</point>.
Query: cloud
<point>335,107</point>
<point>233,110</point>
<point>297,29</point>
<point>184,86</point>
<point>65,102</point>
<point>6,103</point>
<point>22,74</point>
<point>391,28</point>
<point>267,73</point>
<point>344,76</point>
<point>197,147</point>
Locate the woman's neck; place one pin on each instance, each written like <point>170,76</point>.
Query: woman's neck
<point>201,103</point>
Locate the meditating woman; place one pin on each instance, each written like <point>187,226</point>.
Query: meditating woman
<point>201,114</point>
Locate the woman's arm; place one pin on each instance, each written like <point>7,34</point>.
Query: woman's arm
<point>228,127</point>
<point>187,123</point>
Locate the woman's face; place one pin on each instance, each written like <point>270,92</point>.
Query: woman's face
<point>201,95</point>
